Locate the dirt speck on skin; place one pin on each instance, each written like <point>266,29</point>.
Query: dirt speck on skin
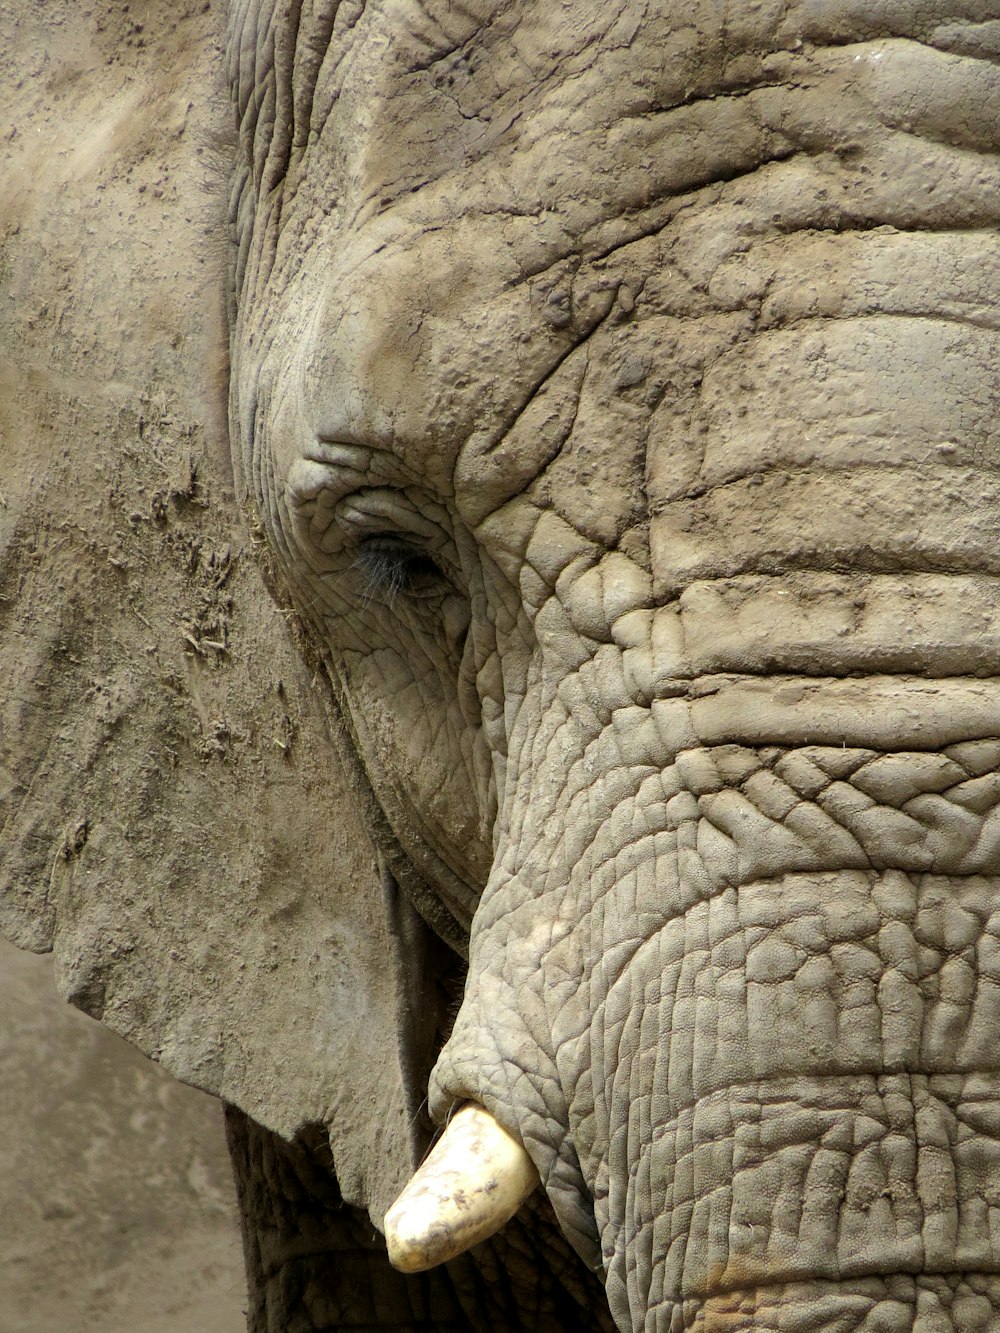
<point>117,1207</point>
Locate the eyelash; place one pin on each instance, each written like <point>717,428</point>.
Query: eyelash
<point>393,567</point>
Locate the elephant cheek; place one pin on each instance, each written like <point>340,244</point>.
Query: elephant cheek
<point>744,1024</point>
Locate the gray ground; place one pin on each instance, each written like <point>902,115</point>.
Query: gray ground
<point>116,1204</point>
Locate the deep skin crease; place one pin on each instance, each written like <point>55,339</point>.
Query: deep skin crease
<point>616,392</point>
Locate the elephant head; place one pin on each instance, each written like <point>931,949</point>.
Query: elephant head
<point>612,400</point>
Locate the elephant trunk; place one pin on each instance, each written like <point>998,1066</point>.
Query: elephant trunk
<point>822,1064</point>
<point>734,979</point>
<point>744,1020</point>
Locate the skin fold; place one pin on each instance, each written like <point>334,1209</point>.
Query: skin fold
<point>612,401</point>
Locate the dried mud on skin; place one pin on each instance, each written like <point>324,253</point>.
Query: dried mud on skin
<point>166,767</point>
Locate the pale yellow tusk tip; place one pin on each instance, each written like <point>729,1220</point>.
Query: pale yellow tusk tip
<point>474,1180</point>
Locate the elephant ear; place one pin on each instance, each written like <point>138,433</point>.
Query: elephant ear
<point>176,823</point>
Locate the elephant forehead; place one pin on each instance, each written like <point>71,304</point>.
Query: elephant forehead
<point>402,92</point>
<point>451,203</point>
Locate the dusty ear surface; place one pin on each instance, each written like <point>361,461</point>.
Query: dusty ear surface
<point>175,822</point>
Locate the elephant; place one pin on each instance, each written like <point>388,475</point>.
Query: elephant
<point>501,631</point>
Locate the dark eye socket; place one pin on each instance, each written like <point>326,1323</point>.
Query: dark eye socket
<point>394,566</point>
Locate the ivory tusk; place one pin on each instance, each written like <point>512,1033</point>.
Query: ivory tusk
<point>473,1181</point>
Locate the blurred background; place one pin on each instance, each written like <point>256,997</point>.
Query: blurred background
<point>117,1209</point>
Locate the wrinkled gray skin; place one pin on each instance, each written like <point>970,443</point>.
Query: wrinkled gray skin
<point>616,385</point>
<point>615,389</point>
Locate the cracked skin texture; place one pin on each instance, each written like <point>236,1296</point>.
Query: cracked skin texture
<point>614,388</point>
<point>659,354</point>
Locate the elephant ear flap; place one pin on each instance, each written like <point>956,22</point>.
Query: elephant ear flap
<point>176,823</point>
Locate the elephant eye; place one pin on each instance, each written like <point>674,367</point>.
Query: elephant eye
<point>393,566</point>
